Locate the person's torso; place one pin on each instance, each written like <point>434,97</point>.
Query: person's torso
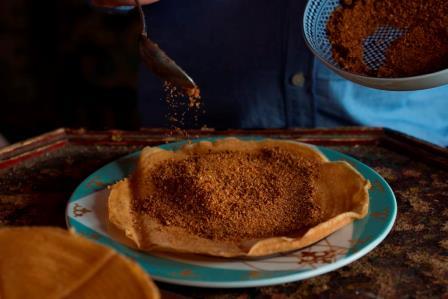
<point>254,70</point>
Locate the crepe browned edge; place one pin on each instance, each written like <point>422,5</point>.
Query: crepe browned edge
<point>49,262</point>
<point>342,194</point>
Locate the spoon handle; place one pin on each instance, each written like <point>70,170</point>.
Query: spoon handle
<point>158,61</point>
<point>142,17</point>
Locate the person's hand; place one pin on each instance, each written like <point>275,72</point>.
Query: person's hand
<point>115,3</point>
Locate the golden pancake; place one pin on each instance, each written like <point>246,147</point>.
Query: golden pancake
<point>339,192</point>
<point>45,262</point>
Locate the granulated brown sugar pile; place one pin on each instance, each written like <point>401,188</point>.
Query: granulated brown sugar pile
<point>234,195</point>
<point>422,49</point>
<point>236,198</point>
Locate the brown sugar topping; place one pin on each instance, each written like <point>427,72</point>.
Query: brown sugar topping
<point>423,48</point>
<point>234,195</point>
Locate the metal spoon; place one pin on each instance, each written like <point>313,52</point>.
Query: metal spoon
<point>158,62</point>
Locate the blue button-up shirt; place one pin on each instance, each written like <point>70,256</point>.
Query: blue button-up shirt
<point>254,70</point>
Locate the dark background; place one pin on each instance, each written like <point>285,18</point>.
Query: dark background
<point>65,64</point>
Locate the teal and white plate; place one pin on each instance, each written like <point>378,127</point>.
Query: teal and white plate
<point>86,213</point>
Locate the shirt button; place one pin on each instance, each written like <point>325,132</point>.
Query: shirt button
<point>298,79</point>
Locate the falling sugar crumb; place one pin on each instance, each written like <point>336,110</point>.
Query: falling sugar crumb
<point>183,105</point>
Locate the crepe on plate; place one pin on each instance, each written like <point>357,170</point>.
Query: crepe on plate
<point>48,262</point>
<point>341,193</point>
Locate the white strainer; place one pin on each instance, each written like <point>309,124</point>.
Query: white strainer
<point>317,13</point>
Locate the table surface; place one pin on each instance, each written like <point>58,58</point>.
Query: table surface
<point>37,177</point>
